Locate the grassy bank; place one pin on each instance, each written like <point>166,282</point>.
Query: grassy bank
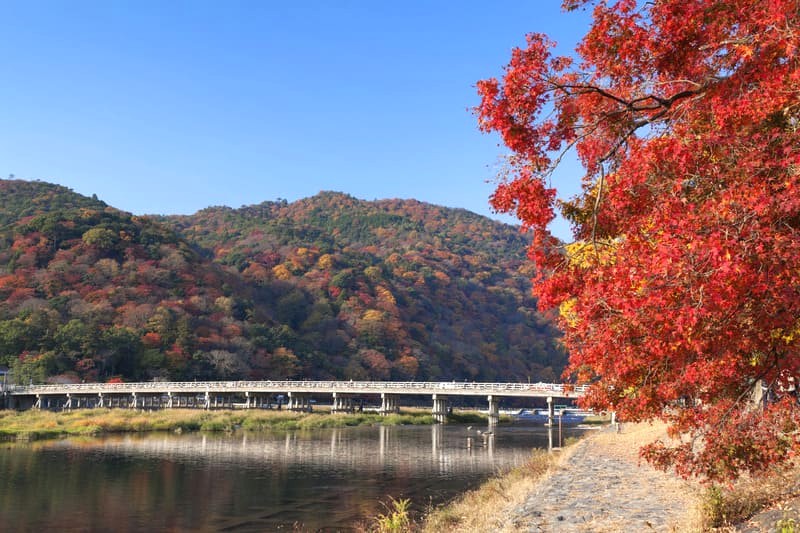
<point>484,508</point>
<point>86,422</point>
<point>34,424</point>
<point>481,509</point>
<point>764,503</point>
<point>770,503</point>
<point>495,504</point>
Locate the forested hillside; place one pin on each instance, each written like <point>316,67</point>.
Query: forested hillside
<point>326,287</point>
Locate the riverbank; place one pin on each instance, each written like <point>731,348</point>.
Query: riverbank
<point>482,509</point>
<point>596,484</point>
<point>36,424</point>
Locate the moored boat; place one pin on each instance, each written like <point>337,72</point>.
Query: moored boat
<point>566,416</point>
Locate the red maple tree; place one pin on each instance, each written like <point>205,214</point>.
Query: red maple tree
<point>680,295</point>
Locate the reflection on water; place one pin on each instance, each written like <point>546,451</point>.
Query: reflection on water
<point>322,479</point>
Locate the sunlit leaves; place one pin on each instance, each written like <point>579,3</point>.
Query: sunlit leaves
<point>682,287</point>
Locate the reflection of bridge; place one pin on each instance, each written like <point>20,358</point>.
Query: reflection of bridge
<point>435,450</point>
<point>380,451</point>
<point>295,395</point>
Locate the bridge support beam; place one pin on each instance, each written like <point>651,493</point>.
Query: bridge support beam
<point>299,402</point>
<point>257,401</point>
<point>342,403</point>
<point>388,404</point>
<point>439,408</point>
<point>494,410</point>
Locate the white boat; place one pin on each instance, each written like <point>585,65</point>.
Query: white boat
<point>567,416</point>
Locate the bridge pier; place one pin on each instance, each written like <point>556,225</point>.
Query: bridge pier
<point>439,408</point>
<point>299,402</point>
<point>494,410</point>
<point>342,403</point>
<point>223,401</point>
<point>256,401</point>
<point>388,404</point>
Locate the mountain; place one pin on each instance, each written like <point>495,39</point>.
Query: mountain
<point>325,287</point>
<point>88,291</point>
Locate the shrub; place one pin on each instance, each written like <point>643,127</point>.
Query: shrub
<point>396,519</point>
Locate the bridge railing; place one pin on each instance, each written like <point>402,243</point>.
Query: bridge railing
<point>407,387</point>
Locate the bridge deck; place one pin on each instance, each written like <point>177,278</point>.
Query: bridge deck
<point>447,388</point>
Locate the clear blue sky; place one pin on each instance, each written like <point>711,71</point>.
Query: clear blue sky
<point>169,107</point>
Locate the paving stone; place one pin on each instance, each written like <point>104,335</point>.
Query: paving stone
<point>596,492</point>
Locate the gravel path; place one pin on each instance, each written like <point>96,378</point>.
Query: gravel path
<point>601,487</point>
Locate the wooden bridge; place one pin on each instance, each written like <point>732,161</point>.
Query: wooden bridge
<point>293,395</point>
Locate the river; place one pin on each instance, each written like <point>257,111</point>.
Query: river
<point>321,479</point>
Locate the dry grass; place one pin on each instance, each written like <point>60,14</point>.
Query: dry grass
<point>487,507</point>
<point>773,496</point>
<point>721,508</point>
<point>625,445</point>
<point>35,424</point>
<point>490,507</point>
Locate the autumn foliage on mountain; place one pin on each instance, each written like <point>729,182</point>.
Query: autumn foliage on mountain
<point>680,297</point>
<point>327,287</point>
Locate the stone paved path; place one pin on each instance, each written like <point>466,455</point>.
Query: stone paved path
<point>602,488</point>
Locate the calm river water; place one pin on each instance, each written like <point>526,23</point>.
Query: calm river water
<point>323,479</point>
